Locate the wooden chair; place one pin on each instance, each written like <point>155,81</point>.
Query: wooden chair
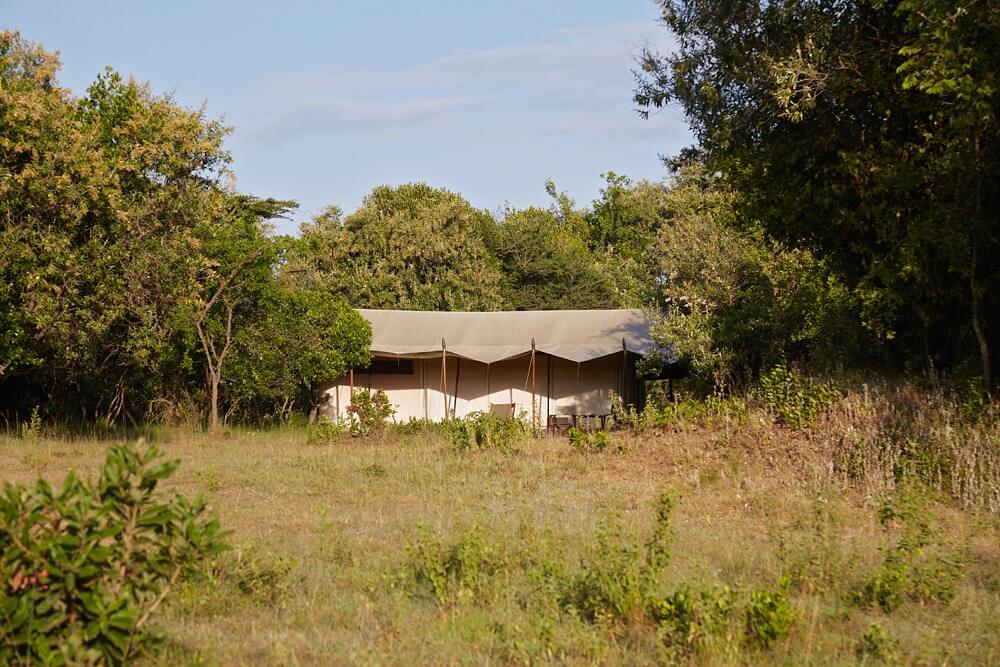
<point>559,424</point>
<point>502,410</point>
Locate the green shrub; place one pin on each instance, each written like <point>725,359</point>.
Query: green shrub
<point>451,573</point>
<point>918,566</point>
<point>32,430</point>
<point>688,619</point>
<point>620,579</point>
<point>324,431</point>
<point>486,431</point>
<point>261,577</point>
<point>794,399</point>
<point>369,412</point>
<point>582,441</point>
<point>84,566</point>
<point>414,426</point>
<point>768,618</point>
<point>877,645</point>
<point>710,412</point>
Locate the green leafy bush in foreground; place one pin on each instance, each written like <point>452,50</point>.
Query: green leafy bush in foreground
<point>84,566</point>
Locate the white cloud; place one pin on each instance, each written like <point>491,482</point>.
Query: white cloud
<point>347,115</point>
<point>578,81</point>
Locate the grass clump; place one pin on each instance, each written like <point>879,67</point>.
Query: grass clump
<point>877,645</point>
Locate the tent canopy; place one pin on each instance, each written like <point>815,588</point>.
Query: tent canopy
<point>488,337</point>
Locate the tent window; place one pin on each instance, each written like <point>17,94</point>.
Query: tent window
<point>388,367</point>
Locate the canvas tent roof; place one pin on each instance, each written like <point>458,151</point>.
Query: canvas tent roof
<point>576,335</point>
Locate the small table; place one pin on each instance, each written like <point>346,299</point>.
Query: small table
<point>555,427</point>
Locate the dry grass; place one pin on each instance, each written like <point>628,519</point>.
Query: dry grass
<point>322,533</point>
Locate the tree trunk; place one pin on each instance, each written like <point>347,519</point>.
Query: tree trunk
<point>977,327</point>
<point>213,414</point>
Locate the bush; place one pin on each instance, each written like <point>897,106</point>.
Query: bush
<point>486,431</point>
<point>768,618</point>
<point>917,566</point>
<point>586,442</point>
<point>32,430</point>
<point>796,400</point>
<point>324,431</point>
<point>369,412</point>
<point>877,645</point>
<point>689,618</point>
<point>84,566</point>
<point>453,573</point>
<point>620,579</point>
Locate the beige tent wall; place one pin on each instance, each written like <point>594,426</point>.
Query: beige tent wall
<point>582,389</point>
<point>575,388</point>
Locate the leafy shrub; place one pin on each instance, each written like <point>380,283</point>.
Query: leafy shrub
<point>257,575</point>
<point>877,645</point>
<point>369,412</point>
<point>452,573</point>
<point>414,426</point>
<point>84,566</point>
<point>486,431</point>
<point>324,431</point>
<point>683,414</point>
<point>768,618</point>
<point>917,566</point>
<point>32,430</point>
<point>620,579</point>
<point>688,619</point>
<point>582,441</point>
<point>796,400</point>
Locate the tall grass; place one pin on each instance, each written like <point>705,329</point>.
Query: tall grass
<point>878,438</point>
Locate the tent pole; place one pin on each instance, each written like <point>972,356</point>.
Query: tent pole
<point>338,401</point>
<point>624,364</point>
<point>423,382</point>
<point>548,388</point>
<point>444,376</point>
<point>458,373</point>
<point>534,415</point>
<point>351,380</point>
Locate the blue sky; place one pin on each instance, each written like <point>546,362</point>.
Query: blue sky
<point>328,100</point>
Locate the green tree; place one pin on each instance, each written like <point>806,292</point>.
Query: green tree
<point>98,197</point>
<point>546,266</point>
<point>863,132</point>
<point>735,301</point>
<point>303,338</point>
<point>410,246</point>
<point>232,282</point>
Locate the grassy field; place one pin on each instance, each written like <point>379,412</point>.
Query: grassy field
<point>399,549</point>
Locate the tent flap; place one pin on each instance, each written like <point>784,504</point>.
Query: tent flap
<point>488,337</point>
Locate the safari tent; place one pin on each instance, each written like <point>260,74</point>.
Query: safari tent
<point>548,365</point>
